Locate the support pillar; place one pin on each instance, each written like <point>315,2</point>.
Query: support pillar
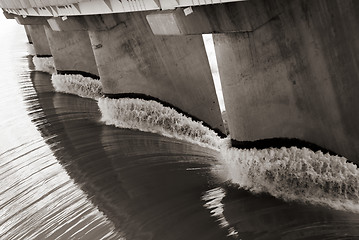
<point>35,29</point>
<point>72,52</point>
<point>39,40</point>
<point>173,69</point>
<point>295,77</point>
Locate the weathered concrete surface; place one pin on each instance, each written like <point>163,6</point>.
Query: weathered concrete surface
<point>70,24</point>
<point>72,51</point>
<point>31,20</point>
<point>131,59</point>
<point>229,17</point>
<point>8,15</point>
<point>296,76</point>
<point>84,23</point>
<point>39,40</point>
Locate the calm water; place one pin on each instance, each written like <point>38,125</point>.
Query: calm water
<point>66,175</point>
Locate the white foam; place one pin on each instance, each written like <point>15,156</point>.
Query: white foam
<point>295,174</point>
<point>31,49</point>
<point>291,174</point>
<point>44,64</point>
<point>77,84</point>
<point>151,116</point>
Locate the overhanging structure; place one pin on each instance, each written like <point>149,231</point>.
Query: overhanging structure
<point>289,68</point>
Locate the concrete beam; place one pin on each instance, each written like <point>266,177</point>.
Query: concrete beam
<point>173,23</point>
<point>230,17</point>
<point>104,22</point>
<point>72,52</point>
<point>175,70</point>
<point>54,8</point>
<point>287,79</point>
<point>9,15</point>
<point>84,23</point>
<point>31,20</point>
<point>67,24</point>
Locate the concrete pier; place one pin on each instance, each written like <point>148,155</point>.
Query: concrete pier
<point>35,27</point>
<point>296,76</point>
<point>72,52</point>
<point>289,68</point>
<point>39,40</point>
<point>130,59</point>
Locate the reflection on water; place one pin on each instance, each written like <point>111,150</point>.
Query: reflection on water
<point>38,199</point>
<point>66,175</point>
<point>214,203</point>
<point>139,180</point>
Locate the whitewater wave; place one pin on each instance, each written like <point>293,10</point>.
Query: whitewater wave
<point>77,84</point>
<point>44,64</point>
<point>291,174</point>
<point>295,174</point>
<point>151,116</point>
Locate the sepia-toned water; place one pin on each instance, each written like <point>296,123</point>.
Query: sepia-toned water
<point>65,174</point>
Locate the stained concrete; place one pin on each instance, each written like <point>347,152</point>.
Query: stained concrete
<point>131,59</point>
<point>289,68</point>
<point>72,51</point>
<point>219,18</point>
<point>85,23</point>
<point>31,20</point>
<point>296,76</point>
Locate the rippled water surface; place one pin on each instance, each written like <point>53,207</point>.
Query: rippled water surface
<point>64,174</point>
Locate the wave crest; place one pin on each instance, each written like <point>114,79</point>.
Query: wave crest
<point>151,116</point>
<point>291,174</point>
<point>77,84</point>
<point>44,64</point>
<point>295,174</point>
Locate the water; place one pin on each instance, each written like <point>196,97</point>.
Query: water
<point>64,174</point>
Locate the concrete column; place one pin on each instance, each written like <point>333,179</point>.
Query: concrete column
<point>296,76</point>
<point>72,52</point>
<point>34,26</point>
<point>39,40</point>
<point>175,70</point>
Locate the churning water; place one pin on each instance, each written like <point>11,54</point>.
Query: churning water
<point>77,168</point>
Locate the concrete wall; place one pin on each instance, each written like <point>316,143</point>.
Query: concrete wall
<point>296,76</point>
<point>131,59</point>
<point>39,40</point>
<point>72,51</point>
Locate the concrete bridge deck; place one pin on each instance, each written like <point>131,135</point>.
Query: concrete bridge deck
<point>288,68</point>
<point>57,8</point>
